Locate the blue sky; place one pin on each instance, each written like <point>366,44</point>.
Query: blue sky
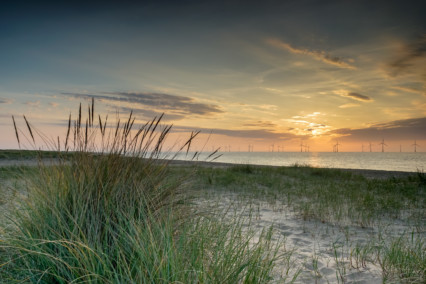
<point>251,72</point>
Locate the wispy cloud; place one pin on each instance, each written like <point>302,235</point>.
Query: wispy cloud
<point>349,105</point>
<point>414,128</point>
<point>33,104</point>
<point>5,101</point>
<point>409,90</point>
<point>265,108</point>
<point>180,106</point>
<point>262,124</point>
<point>412,54</point>
<point>315,54</point>
<point>53,104</point>
<point>309,115</point>
<point>354,96</point>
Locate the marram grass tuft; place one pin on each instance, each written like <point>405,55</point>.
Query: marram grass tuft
<point>109,211</point>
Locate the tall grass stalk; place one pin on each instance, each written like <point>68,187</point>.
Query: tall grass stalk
<point>110,212</point>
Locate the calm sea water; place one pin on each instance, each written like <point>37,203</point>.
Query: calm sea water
<point>407,162</point>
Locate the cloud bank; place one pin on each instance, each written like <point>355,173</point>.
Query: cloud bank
<point>410,129</point>
<point>148,104</point>
<point>260,134</point>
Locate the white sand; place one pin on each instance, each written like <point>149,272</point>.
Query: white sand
<point>321,251</point>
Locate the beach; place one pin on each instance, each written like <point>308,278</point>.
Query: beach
<point>321,232</point>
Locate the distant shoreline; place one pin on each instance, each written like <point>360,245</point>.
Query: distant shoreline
<point>371,174</point>
<point>379,174</point>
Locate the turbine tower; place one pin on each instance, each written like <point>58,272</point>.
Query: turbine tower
<point>383,145</point>
<point>415,146</point>
<point>370,146</point>
<point>301,146</point>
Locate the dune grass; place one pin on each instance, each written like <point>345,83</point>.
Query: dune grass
<point>328,195</point>
<point>393,210</point>
<point>403,259</point>
<point>112,212</point>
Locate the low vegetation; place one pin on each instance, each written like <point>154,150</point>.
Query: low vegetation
<point>328,195</point>
<point>29,154</point>
<point>391,211</point>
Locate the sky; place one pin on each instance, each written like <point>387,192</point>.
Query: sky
<point>269,74</point>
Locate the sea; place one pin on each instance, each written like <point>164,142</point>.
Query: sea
<point>391,161</point>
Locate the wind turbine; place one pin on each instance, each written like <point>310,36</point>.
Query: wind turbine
<point>370,146</point>
<point>301,146</point>
<point>383,145</point>
<point>415,146</point>
<point>362,147</point>
<point>337,146</point>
